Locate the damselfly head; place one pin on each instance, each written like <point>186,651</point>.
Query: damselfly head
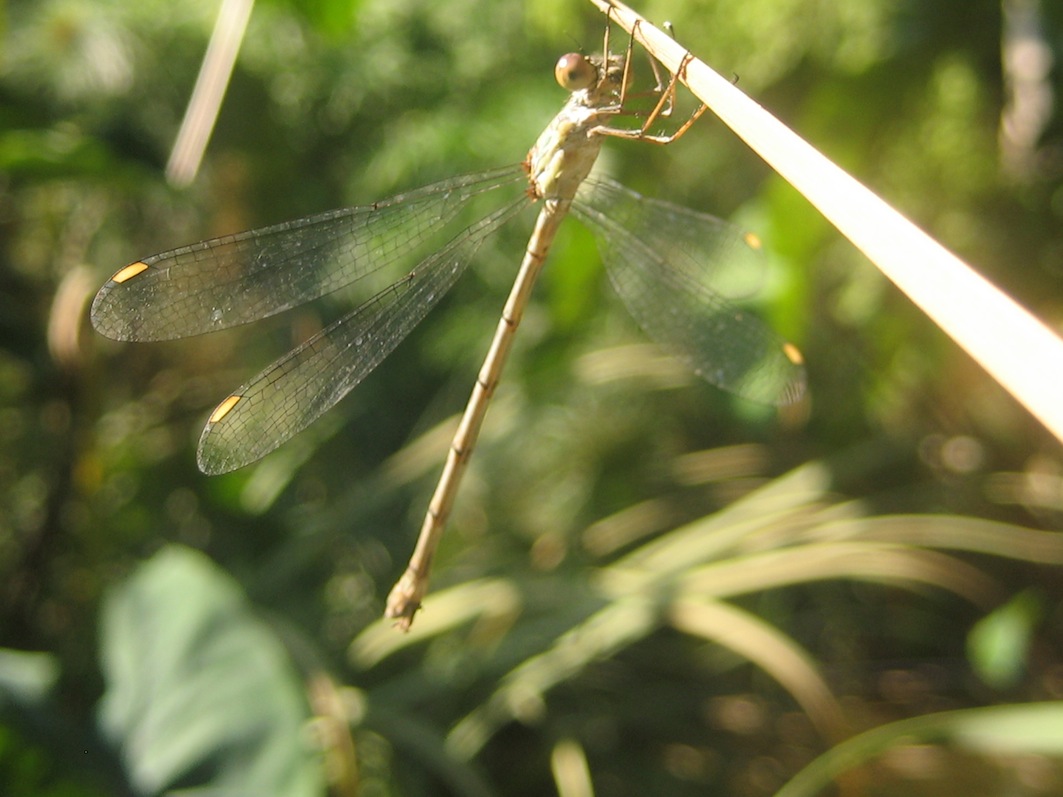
<point>575,72</point>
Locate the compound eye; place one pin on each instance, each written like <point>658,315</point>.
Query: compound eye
<point>575,72</point>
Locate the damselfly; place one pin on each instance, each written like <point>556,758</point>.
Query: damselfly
<point>665,262</point>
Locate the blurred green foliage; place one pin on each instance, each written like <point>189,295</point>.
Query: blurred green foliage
<point>597,447</point>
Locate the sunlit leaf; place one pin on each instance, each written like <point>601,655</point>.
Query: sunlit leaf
<point>1035,728</point>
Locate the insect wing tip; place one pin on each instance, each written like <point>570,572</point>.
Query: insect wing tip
<point>213,460</point>
<point>114,315</point>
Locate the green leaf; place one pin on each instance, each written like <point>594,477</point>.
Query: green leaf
<point>1032,728</point>
<point>998,644</point>
<point>201,697</point>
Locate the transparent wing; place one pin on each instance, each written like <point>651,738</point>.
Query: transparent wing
<point>240,278</point>
<point>670,265</point>
<point>301,386</point>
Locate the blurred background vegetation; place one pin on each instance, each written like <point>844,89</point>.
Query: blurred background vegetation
<point>184,630</point>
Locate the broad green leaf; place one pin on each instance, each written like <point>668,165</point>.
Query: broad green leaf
<point>200,698</point>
